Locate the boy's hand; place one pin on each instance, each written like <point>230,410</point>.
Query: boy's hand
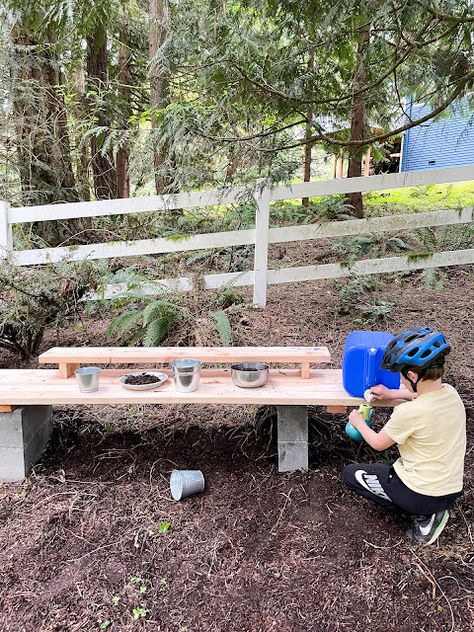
<point>381,392</point>
<point>356,419</point>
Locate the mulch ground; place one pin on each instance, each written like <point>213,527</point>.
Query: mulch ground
<point>85,542</point>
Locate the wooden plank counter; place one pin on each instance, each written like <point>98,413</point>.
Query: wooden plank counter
<point>284,387</point>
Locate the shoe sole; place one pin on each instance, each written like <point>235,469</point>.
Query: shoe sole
<point>437,532</point>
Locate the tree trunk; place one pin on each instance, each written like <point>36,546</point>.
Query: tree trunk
<point>103,168</point>
<point>307,156</point>
<point>42,133</point>
<point>159,93</point>
<point>358,119</point>
<point>124,81</point>
<point>307,135</point>
<point>81,143</point>
<point>232,165</point>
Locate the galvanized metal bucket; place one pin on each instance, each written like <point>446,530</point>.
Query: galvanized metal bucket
<point>88,378</point>
<point>184,483</point>
<point>187,374</point>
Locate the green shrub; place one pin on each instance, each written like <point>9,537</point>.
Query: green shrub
<point>321,209</point>
<point>32,299</point>
<point>191,318</point>
<point>357,300</point>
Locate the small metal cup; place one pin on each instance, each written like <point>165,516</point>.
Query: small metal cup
<point>186,373</point>
<point>184,483</point>
<point>88,378</point>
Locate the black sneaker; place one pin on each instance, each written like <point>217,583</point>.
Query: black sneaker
<point>426,529</point>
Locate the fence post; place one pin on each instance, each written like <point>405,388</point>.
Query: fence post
<point>6,235</point>
<point>262,220</point>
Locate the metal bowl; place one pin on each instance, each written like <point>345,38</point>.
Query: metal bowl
<point>249,374</point>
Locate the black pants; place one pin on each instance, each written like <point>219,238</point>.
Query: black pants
<point>379,483</point>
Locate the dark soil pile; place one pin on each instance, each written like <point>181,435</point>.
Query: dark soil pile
<point>141,379</point>
<point>92,540</point>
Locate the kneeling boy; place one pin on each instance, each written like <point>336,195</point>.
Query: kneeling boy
<point>430,430</point>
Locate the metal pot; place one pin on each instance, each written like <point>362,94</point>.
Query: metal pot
<point>249,374</point>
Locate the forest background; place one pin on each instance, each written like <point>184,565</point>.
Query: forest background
<point>106,100</point>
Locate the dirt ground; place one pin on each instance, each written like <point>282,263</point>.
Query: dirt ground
<point>85,542</point>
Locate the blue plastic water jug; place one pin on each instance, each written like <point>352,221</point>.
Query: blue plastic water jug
<point>361,361</point>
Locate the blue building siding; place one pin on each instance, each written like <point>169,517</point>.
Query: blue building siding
<point>446,142</point>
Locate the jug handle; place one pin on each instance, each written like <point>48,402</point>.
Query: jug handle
<point>370,367</point>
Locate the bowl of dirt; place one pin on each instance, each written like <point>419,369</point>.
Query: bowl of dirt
<point>143,380</point>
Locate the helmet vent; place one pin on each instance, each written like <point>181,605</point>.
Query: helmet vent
<point>413,352</point>
<point>425,354</point>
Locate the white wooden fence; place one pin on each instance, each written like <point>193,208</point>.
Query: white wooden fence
<point>261,236</point>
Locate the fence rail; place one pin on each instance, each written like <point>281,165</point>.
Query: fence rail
<point>261,236</point>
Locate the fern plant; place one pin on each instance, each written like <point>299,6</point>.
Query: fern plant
<point>222,327</point>
<point>150,324</point>
<point>228,297</point>
<point>149,321</point>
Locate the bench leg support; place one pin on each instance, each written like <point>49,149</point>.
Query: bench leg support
<point>292,438</point>
<point>24,434</point>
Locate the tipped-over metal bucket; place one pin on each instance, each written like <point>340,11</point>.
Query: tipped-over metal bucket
<point>185,483</point>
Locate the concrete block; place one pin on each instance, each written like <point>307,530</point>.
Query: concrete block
<point>34,449</point>
<point>292,423</point>
<point>292,456</point>
<point>20,426</point>
<point>35,418</point>
<point>292,438</point>
<point>11,429</point>
<point>24,433</point>
<point>12,465</point>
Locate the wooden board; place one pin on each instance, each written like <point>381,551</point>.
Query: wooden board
<point>70,358</point>
<point>210,355</point>
<point>285,387</point>
<point>7,409</point>
<point>337,409</point>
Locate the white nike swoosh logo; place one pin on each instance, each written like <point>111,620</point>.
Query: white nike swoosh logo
<point>375,489</point>
<point>427,529</point>
<point>359,476</point>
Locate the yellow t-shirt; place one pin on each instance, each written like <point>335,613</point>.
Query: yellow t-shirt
<point>431,435</point>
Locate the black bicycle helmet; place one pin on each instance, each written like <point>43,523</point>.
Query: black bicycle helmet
<point>421,348</point>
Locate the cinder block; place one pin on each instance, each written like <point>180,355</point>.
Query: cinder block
<point>292,456</point>
<point>24,434</point>
<point>19,427</point>
<point>34,449</point>
<point>35,418</point>
<point>11,429</point>
<point>12,465</point>
<point>292,423</point>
